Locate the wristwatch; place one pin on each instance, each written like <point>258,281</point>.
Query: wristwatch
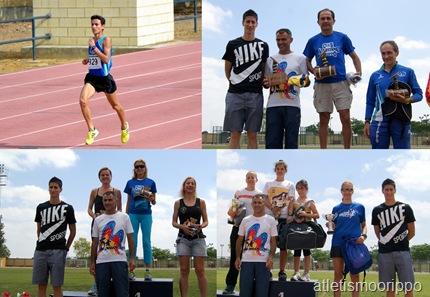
<point>364,235</point>
<point>93,47</point>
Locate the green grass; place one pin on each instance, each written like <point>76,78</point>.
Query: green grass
<point>17,280</point>
<point>423,279</point>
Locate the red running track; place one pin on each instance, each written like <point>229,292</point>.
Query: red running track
<point>160,90</point>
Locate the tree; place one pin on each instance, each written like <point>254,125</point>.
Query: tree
<point>420,252</point>
<point>4,251</point>
<point>211,252</point>
<point>373,250</point>
<point>357,126</point>
<point>159,254</point>
<point>312,129</point>
<point>82,248</point>
<point>320,255</point>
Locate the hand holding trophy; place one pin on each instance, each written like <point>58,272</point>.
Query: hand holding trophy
<point>326,70</point>
<point>145,194</point>
<point>237,206</point>
<point>329,217</point>
<point>278,203</point>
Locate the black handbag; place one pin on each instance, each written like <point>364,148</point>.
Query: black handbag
<point>306,235</point>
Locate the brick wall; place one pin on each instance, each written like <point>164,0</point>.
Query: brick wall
<point>15,9</point>
<point>128,22</point>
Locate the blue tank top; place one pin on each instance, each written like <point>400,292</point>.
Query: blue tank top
<point>96,66</point>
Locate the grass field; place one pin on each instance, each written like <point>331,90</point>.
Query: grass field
<point>371,279</point>
<point>16,280</point>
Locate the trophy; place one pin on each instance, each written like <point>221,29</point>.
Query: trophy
<point>237,205</point>
<point>143,194</point>
<point>329,218</point>
<point>276,78</point>
<point>131,275</point>
<point>280,201</point>
<point>326,70</point>
<point>398,87</point>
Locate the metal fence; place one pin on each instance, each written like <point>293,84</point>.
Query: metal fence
<point>33,32</point>
<point>195,16</point>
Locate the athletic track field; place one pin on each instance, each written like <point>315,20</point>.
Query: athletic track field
<point>160,90</point>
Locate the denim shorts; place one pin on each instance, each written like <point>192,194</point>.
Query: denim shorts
<point>49,262</point>
<point>243,111</point>
<point>195,247</point>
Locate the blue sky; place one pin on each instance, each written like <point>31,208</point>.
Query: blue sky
<point>366,22</point>
<point>30,171</point>
<point>325,171</point>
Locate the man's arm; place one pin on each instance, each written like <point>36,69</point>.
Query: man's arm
<point>356,61</point>
<point>130,240</point>
<point>94,244</point>
<point>411,230</point>
<point>309,65</point>
<point>72,229</point>
<point>377,231</point>
<point>227,69</point>
<point>269,262</point>
<point>105,55</point>
<point>239,244</point>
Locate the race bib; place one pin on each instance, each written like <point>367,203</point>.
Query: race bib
<point>94,62</point>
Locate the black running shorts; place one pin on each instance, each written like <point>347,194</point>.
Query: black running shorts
<point>101,83</point>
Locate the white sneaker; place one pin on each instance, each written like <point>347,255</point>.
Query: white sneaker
<point>93,290</point>
<point>305,277</point>
<point>295,277</point>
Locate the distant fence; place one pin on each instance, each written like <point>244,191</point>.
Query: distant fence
<point>33,32</point>
<point>195,16</point>
<point>82,263</point>
<point>311,140</point>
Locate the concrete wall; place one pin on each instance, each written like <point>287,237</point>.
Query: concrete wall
<point>15,9</point>
<point>130,23</point>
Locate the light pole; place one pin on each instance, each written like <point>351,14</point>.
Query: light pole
<point>221,245</point>
<point>3,178</point>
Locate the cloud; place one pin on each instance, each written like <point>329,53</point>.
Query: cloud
<point>22,160</point>
<point>229,158</point>
<point>404,43</point>
<point>213,16</point>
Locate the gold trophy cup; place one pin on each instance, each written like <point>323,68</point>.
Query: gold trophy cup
<point>326,70</point>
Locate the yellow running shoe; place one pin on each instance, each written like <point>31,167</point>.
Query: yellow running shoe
<point>91,135</point>
<point>125,134</point>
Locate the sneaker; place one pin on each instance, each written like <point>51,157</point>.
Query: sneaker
<point>295,277</point>
<point>131,275</point>
<point>91,135</point>
<point>148,275</point>
<point>93,290</point>
<point>229,290</point>
<point>282,276</point>
<point>125,134</point>
<point>305,277</point>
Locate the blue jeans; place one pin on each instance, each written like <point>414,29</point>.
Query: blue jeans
<point>282,122</point>
<point>398,131</point>
<point>145,222</point>
<point>118,272</point>
<point>250,271</point>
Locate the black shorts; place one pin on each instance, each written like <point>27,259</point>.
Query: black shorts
<point>336,252</point>
<point>101,83</point>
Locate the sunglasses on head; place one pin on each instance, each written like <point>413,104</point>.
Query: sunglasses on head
<point>139,166</point>
<point>346,190</point>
